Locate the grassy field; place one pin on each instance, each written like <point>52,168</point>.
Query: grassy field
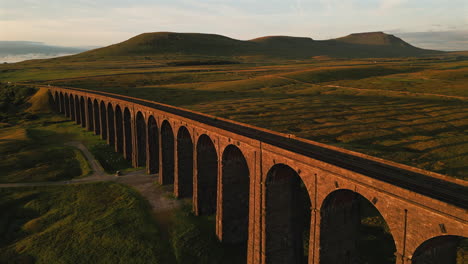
<point>409,110</point>
<point>78,224</point>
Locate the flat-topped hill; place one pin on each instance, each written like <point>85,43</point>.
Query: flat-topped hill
<point>375,44</point>
<point>374,38</point>
<point>173,43</point>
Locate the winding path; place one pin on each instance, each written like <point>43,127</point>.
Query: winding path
<point>142,182</point>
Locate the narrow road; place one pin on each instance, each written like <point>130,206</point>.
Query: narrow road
<point>162,204</point>
<point>157,196</point>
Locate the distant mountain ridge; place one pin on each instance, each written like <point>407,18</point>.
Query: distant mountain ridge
<point>372,44</point>
<point>14,51</point>
<point>176,46</point>
<point>26,47</point>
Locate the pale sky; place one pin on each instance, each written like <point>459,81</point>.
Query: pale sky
<point>441,24</point>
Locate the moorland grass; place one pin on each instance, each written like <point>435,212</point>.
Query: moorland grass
<point>89,223</point>
<point>295,97</point>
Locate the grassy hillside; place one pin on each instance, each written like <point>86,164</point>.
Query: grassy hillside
<point>33,141</point>
<point>78,224</point>
<point>374,38</point>
<point>173,43</point>
<point>169,44</point>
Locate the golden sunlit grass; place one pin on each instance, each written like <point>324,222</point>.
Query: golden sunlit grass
<point>396,109</point>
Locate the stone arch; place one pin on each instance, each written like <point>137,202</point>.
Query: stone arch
<point>119,131</point>
<point>97,120</point>
<point>62,103</point>
<point>90,115</point>
<point>128,134</point>
<point>347,222</point>
<point>235,196</point>
<point>72,107</point>
<point>82,112</point>
<point>287,219</point>
<point>167,142</point>
<point>67,106</point>
<point>103,121</point>
<point>441,249</point>
<point>110,125</point>
<point>153,146</point>
<point>77,110</point>
<point>184,186</point>
<point>141,139</point>
<point>206,176</point>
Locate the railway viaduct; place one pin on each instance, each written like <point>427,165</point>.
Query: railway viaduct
<point>273,192</point>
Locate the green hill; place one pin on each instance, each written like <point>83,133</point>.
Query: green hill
<point>374,38</point>
<point>375,44</point>
<point>174,43</point>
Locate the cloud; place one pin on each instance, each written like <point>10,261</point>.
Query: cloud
<point>104,22</point>
<point>390,4</point>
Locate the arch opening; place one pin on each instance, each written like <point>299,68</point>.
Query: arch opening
<point>442,249</point>
<point>119,129</point>
<point>82,112</point>
<point>67,106</point>
<point>207,176</point>
<point>184,163</point>
<point>153,145</point>
<point>353,231</point>
<point>97,120</point>
<point>110,125</point>
<point>103,121</point>
<point>72,108</point>
<point>128,134</point>
<point>235,196</point>
<point>57,102</point>
<point>62,104</point>
<point>287,216</point>
<point>90,115</point>
<point>141,139</point>
<point>77,110</point>
<point>167,142</point>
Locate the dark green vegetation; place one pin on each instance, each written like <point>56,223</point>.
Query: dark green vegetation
<point>108,158</point>
<point>78,224</point>
<point>39,225</point>
<point>13,102</point>
<point>194,241</point>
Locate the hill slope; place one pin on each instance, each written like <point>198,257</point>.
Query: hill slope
<point>374,38</point>
<point>175,43</point>
<point>376,44</point>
